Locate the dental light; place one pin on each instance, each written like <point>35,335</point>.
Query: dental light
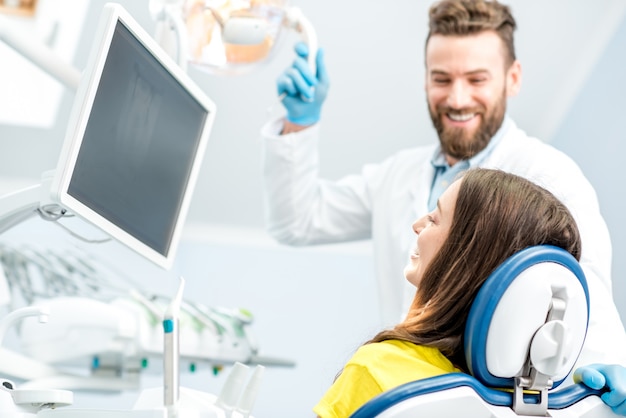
<point>227,36</point>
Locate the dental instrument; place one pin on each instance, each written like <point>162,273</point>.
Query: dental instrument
<point>171,352</point>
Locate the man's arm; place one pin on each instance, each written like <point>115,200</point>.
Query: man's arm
<point>301,208</point>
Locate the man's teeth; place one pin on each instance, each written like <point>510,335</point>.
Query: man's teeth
<point>461,117</point>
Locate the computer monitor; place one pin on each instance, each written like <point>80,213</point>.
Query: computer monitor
<point>135,140</point>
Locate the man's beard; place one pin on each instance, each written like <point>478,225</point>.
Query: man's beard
<point>460,144</point>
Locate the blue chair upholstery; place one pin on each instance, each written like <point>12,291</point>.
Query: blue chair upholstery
<point>524,332</point>
<point>564,398</point>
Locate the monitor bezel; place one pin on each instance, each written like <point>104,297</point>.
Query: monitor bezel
<point>83,102</point>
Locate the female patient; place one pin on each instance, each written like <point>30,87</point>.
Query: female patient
<point>481,220</point>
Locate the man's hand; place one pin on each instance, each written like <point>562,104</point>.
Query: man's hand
<point>304,92</point>
<point>611,377</point>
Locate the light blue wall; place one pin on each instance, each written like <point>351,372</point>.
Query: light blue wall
<point>594,134</point>
<point>313,306</point>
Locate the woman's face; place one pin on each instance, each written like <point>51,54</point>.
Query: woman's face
<point>431,230</point>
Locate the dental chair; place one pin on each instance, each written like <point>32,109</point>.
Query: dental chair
<point>523,336</point>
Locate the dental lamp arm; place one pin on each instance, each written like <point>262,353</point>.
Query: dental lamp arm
<point>296,20</point>
<point>39,55</point>
<point>171,32</point>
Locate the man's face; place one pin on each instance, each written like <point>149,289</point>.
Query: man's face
<point>467,85</point>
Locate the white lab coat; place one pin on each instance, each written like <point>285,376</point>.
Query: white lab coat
<point>385,198</point>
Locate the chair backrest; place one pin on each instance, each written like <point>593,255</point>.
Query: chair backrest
<point>524,332</point>
<point>528,322</point>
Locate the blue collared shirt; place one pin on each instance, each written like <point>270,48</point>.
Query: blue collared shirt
<point>444,174</point>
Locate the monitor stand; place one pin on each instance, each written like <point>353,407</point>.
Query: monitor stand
<point>21,205</point>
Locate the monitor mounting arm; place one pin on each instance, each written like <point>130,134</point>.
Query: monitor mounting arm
<point>23,204</point>
<point>20,205</point>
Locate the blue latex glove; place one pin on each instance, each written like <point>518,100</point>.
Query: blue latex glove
<point>304,91</point>
<point>610,377</point>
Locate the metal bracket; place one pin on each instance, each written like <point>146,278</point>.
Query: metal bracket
<point>534,380</point>
<point>539,409</point>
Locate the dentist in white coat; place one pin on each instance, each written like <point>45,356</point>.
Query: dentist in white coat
<point>471,70</point>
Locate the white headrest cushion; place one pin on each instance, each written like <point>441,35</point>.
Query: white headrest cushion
<point>523,309</point>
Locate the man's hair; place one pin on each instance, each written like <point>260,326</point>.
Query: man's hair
<point>470,17</point>
<point>496,215</point>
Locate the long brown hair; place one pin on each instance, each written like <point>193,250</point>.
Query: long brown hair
<point>496,215</point>
<point>469,17</point>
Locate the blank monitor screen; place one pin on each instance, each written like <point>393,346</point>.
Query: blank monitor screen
<point>139,147</point>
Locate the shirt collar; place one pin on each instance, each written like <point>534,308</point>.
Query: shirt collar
<point>439,160</point>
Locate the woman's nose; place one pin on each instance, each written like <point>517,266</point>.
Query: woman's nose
<point>418,225</point>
